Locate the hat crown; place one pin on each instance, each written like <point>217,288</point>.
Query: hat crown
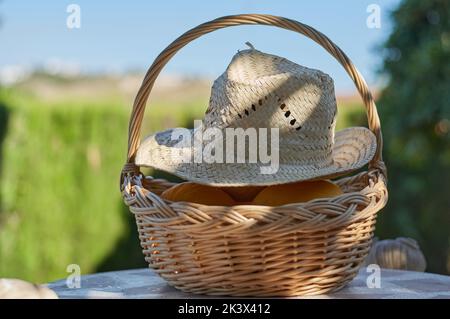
<point>262,91</point>
<point>266,91</point>
<point>248,65</point>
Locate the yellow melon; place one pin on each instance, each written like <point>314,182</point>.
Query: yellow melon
<point>197,193</point>
<point>299,192</point>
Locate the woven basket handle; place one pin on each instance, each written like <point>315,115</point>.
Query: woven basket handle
<point>247,19</point>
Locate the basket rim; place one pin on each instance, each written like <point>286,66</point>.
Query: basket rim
<point>325,213</point>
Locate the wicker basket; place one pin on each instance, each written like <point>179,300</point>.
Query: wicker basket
<point>299,249</point>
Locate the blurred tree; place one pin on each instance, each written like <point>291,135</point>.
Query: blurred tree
<point>415,114</point>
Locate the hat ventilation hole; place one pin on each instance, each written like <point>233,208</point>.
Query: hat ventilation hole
<point>292,121</point>
<point>287,114</point>
<point>253,107</point>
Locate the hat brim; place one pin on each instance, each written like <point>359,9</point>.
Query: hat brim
<point>353,148</point>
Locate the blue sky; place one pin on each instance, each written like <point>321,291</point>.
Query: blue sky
<point>124,35</point>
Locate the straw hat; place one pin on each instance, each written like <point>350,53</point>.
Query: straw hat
<point>263,91</point>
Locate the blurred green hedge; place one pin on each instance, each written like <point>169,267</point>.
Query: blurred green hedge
<point>59,185</point>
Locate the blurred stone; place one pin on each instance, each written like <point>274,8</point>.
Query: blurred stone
<point>19,289</point>
<point>400,253</point>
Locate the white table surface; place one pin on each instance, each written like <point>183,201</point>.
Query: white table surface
<point>144,283</point>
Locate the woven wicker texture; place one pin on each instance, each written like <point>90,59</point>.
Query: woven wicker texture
<point>264,91</point>
<point>298,249</point>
